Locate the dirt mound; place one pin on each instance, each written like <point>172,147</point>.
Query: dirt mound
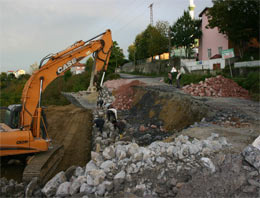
<point>71,126</point>
<point>216,87</point>
<point>167,110</point>
<point>114,84</point>
<point>124,95</point>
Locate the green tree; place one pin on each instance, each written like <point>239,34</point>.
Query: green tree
<point>239,20</point>
<point>163,27</point>
<point>184,32</point>
<point>10,76</point>
<point>3,80</point>
<point>151,42</point>
<point>89,64</point>
<point>131,52</point>
<point>116,58</point>
<point>141,43</point>
<point>67,75</point>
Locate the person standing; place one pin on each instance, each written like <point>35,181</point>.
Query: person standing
<point>170,78</point>
<point>178,78</point>
<point>174,72</point>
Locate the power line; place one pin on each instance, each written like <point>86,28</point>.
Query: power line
<point>124,13</point>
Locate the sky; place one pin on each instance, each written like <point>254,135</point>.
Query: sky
<point>31,29</point>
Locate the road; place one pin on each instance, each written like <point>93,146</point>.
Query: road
<point>145,79</point>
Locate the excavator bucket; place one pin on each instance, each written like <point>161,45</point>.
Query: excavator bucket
<point>82,99</point>
<point>89,100</point>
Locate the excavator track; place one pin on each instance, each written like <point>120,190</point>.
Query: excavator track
<point>43,165</point>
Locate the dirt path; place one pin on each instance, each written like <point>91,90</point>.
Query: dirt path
<point>71,126</point>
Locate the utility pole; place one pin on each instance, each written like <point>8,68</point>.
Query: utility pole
<point>151,13</point>
<point>169,36</point>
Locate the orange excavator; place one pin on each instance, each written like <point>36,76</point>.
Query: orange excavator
<point>24,130</point>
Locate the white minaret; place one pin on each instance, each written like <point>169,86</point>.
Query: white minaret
<point>191,9</point>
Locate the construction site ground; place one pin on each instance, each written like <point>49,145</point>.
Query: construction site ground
<point>234,118</point>
<point>237,119</point>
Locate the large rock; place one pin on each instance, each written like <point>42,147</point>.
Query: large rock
<point>101,189</point>
<point>51,187</point>
<point>107,165</point>
<point>76,184</point>
<point>252,156</point>
<point>120,177</point>
<point>209,164</point>
<point>31,187</point>
<point>132,149</point>
<point>79,171</point>
<point>120,152</point>
<point>97,158</point>
<point>85,188</point>
<point>137,156</point>
<point>64,189</point>
<point>109,152</point>
<point>98,176</point>
<point>146,153</point>
<point>90,166</point>
<point>69,172</point>
<point>108,185</point>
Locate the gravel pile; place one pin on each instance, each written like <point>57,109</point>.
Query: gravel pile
<point>123,167</point>
<point>216,87</point>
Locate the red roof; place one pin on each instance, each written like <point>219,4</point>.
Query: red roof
<point>216,56</point>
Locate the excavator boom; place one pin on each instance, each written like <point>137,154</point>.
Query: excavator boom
<point>56,66</point>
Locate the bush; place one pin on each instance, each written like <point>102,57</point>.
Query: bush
<point>251,82</point>
<point>193,78</point>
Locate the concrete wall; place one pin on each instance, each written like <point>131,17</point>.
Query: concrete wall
<point>211,39</point>
<point>162,66</point>
<point>152,67</point>
<point>203,65</point>
<point>247,64</point>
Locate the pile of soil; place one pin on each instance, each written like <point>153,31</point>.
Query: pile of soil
<point>114,84</point>
<point>124,95</point>
<point>71,126</point>
<point>216,87</point>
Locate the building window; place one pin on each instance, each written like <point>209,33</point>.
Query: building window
<point>219,50</point>
<point>209,53</point>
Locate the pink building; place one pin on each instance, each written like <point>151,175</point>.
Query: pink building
<point>211,42</point>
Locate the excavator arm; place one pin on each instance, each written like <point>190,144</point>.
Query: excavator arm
<point>55,66</point>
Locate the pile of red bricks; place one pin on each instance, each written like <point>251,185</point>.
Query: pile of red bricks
<point>216,87</point>
<point>124,95</point>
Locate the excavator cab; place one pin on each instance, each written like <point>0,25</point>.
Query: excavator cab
<point>11,115</point>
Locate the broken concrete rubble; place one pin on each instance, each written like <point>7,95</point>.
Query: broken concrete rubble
<point>252,156</point>
<point>216,87</point>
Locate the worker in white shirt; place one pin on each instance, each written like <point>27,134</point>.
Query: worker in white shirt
<point>111,114</point>
<point>173,72</point>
